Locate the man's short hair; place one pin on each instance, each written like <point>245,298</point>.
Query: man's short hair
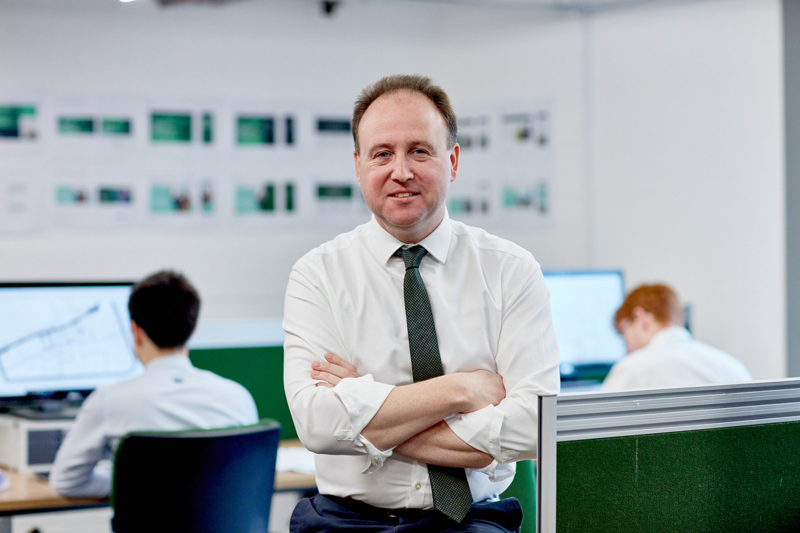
<point>165,305</point>
<point>658,299</point>
<point>410,82</point>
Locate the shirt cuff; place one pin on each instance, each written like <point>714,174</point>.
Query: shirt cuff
<point>497,472</point>
<point>361,397</point>
<point>375,457</point>
<point>481,430</point>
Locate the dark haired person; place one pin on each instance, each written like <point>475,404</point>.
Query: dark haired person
<point>419,417</point>
<point>661,352</point>
<point>170,395</point>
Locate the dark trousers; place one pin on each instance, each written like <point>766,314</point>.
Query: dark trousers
<point>331,513</point>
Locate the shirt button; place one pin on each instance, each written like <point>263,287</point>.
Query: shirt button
<point>417,486</point>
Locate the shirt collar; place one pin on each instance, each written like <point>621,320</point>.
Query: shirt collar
<point>176,360</point>
<point>670,332</point>
<point>384,244</point>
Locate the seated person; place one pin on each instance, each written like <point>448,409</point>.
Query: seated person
<point>170,395</point>
<point>661,353</point>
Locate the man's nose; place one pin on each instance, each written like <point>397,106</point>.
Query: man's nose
<point>401,171</point>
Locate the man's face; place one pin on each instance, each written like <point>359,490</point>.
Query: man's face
<point>403,165</point>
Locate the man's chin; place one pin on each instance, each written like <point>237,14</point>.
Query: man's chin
<point>403,218</point>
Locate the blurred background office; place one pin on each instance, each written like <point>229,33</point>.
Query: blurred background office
<point>667,136</point>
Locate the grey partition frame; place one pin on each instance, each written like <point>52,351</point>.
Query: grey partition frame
<point>546,466</point>
<point>599,415</point>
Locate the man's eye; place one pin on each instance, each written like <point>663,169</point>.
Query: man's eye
<point>382,155</point>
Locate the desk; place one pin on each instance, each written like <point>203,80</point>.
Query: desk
<point>294,480</point>
<point>28,493</point>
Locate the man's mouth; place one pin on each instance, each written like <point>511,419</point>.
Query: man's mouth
<point>403,195</point>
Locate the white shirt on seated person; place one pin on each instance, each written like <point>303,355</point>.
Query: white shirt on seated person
<point>664,355</point>
<point>171,395</point>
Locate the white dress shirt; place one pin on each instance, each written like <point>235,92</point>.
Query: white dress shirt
<point>170,395</point>
<point>491,310</point>
<point>673,358</point>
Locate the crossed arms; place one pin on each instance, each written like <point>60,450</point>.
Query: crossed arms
<point>483,410</point>
<point>423,436</point>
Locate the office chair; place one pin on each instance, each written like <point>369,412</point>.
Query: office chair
<point>198,481</point>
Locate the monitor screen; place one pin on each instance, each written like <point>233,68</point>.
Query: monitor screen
<point>583,303</point>
<point>62,337</point>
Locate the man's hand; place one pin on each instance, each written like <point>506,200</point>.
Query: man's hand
<point>484,388</point>
<point>332,370</point>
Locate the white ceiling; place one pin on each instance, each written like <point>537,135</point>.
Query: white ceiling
<point>542,6</point>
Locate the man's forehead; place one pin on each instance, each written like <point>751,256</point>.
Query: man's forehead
<point>401,98</point>
<point>381,119</point>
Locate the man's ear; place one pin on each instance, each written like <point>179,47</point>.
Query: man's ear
<point>454,153</point>
<point>138,334</point>
<point>646,319</point>
<point>358,173</point>
<point>640,313</point>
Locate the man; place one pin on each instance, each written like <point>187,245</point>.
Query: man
<point>359,340</point>
<point>661,353</point>
<point>171,395</point>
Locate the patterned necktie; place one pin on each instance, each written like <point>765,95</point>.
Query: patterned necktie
<point>451,494</point>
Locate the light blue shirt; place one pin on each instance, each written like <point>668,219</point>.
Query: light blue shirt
<point>171,395</point>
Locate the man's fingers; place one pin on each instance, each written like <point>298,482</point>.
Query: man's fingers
<point>335,365</point>
<point>322,366</point>
<point>338,361</point>
<point>332,370</point>
<point>325,377</point>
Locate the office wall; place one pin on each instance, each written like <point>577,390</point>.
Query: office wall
<point>666,133</point>
<point>687,162</point>
<point>271,49</point>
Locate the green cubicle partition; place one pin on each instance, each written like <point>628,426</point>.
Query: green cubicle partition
<point>705,459</point>
<point>259,370</point>
<point>251,353</point>
<point>744,478</point>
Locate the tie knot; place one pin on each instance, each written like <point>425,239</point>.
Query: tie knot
<point>412,256</point>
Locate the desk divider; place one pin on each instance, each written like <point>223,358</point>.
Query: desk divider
<point>715,458</point>
<point>260,371</point>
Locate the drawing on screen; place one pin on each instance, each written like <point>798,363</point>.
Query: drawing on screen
<point>91,342</point>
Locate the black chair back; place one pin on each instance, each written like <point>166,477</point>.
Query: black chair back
<point>198,481</point>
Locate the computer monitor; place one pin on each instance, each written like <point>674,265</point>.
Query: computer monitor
<point>583,303</point>
<point>57,338</point>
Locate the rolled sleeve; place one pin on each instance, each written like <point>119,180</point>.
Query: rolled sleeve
<point>375,457</point>
<point>361,398</point>
<point>328,420</point>
<point>527,358</point>
<point>497,472</point>
<point>481,430</point>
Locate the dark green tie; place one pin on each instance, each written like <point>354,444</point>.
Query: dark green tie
<point>451,494</point>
